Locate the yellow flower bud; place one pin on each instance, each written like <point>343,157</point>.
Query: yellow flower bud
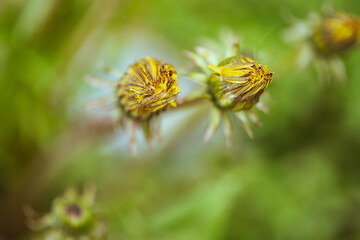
<point>337,33</point>
<point>147,88</point>
<point>237,84</point>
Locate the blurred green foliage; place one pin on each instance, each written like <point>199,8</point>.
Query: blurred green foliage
<point>299,178</point>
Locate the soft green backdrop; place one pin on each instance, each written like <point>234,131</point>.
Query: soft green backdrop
<point>299,178</point>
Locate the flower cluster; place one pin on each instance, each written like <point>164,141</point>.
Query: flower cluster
<point>234,85</point>
<point>234,81</point>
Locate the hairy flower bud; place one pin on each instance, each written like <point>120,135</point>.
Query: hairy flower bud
<point>237,84</point>
<point>146,88</point>
<point>234,85</point>
<point>337,32</point>
<point>72,217</point>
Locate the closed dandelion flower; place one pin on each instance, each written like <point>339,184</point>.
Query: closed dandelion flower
<point>237,84</point>
<point>323,39</point>
<point>337,33</point>
<point>147,88</point>
<point>234,84</point>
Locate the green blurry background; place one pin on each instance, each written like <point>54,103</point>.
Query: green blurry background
<point>299,178</point>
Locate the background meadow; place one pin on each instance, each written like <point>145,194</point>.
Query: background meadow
<point>298,179</point>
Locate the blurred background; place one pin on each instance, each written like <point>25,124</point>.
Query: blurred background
<point>298,179</point>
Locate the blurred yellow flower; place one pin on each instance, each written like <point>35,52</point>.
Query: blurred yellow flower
<point>337,32</point>
<point>322,40</point>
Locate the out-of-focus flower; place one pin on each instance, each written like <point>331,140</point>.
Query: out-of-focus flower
<point>234,83</point>
<point>323,39</point>
<point>147,88</point>
<point>72,217</point>
<point>336,33</point>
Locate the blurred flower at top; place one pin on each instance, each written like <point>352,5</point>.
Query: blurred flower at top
<point>323,40</point>
<point>337,33</point>
<point>234,83</point>
<point>147,88</point>
<point>71,217</point>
